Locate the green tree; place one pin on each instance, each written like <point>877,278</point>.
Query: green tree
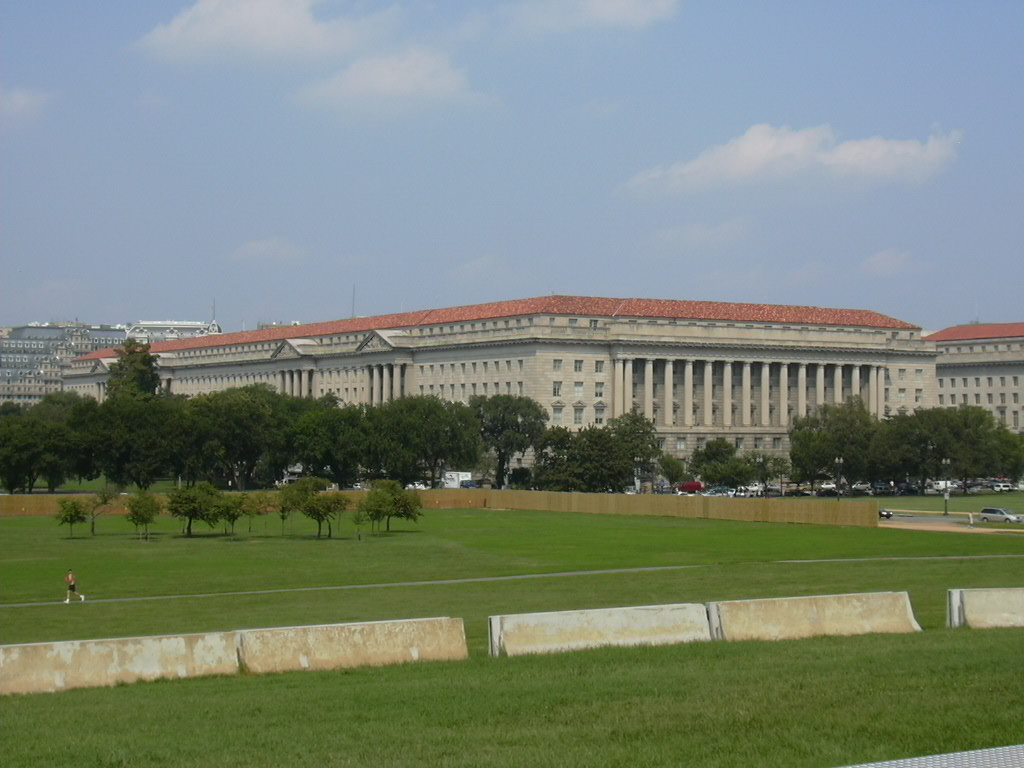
<point>601,459</point>
<point>303,497</point>
<point>767,467</point>
<point>194,504</point>
<point>714,452</point>
<point>134,448</point>
<point>324,508</point>
<point>637,436</point>
<point>553,457</point>
<point>509,425</point>
<point>331,441</point>
<point>387,499</point>
<point>71,512</point>
<point>844,431</point>
<point>102,501</point>
<point>672,469</point>
<point>143,509</point>
<point>134,374</point>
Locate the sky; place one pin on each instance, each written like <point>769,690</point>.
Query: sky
<point>308,160</point>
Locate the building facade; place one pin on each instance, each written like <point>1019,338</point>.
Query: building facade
<point>32,356</point>
<point>983,365</point>
<point>699,370</point>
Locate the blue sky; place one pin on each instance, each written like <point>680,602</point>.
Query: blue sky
<point>280,157</point>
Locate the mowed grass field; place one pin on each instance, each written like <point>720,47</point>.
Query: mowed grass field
<point>819,702</point>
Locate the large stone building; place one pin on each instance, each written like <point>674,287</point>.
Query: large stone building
<point>700,370</point>
<point>32,356</point>
<point>982,365</point>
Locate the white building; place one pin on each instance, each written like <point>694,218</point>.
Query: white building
<point>700,370</point>
<point>982,364</point>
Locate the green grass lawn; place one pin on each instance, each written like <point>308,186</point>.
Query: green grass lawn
<point>820,702</point>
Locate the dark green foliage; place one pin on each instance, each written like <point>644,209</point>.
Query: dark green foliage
<point>134,374</point>
<point>509,425</point>
<point>143,508</point>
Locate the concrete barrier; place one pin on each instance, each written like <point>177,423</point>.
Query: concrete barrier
<point>560,631</point>
<point>788,618</point>
<point>336,646</point>
<point>985,608</point>
<point>49,667</point>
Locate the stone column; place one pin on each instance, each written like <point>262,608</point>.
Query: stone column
<point>627,385</point>
<point>801,390</point>
<point>783,394</point>
<point>688,393</point>
<point>727,393</point>
<point>385,382</point>
<point>766,394</point>
<point>669,416</point>
<point>838,384</point>
<point>649,388</point>
<point>708,386</point>
<point>371,384</point>
<point>855,390</point>
<point>872,390</point>
<point>819,385</point>
<point>396,381</point>
<point>617,379</point>
<point>745,394</point>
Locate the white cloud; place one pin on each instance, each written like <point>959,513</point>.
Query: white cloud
<point>270,252</point>
<point>22,103</point>
<point>561,15</point>
<point>891,262</point>
<point>393,83</point>
<point>768,153</point>
<point>257,28</point>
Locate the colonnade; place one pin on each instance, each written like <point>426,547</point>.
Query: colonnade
<point>716,392</point>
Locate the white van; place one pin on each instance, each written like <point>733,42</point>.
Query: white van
<point>1002,487</point>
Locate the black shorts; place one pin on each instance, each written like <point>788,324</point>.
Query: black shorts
<point>71,587</point>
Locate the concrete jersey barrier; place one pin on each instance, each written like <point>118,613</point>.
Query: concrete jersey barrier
<point>559,631</point>
<point>985,608</point>
<point>337,646</point>
<point>49,667</point>
<point>788,618</point>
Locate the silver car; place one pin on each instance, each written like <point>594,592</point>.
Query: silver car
<point>998,515</point>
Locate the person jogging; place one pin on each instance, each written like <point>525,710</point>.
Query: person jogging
<point>72,587</point>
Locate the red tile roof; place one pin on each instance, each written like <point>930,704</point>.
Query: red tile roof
<point>583,306</point>
<point>978,331</point>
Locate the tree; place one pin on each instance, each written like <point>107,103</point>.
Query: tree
<point>197,503</point>
<point>134,446</point>
<point>509,425</point>
<point>639,439</point>
<point>766,467</point>
<point>714,452</point>
<point>231,509</point>
<point>101,502</point>
<point>70,512</point>
<point>553,458</point>
<point>387,499</point>
<point>134,374</point>
<point>143,508</point>
<point>331,442</point>
<point>306,498</point>
<point>601,459</point>
<point>672,469</point>
<point>844,431</point>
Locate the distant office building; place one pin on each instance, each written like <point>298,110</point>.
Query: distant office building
<point>982,364</point>
<point>700,370</point>
<point>152,331</point>
<point>32,356</point>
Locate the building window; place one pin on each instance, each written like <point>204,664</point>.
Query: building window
<point>977,399</point>
<point>758,443</point>
<point>777,443</point>
<point>680,444</point>
<point>1002,398</point>
<point>940,383</point>
<point>977,381</point>
<point>739,442</point>
<point>577,389</point>
<point>599,389</point>
<point>556,415</point>
<point>593,325</point>
<point>901,395</point>
<point>988,398</point>
<point>556,389</point>
<point>577,366</point>
<point>599,367</point>
<point>573,321</point>
<point>941,399</point>
<point>519,387</point>
<point>556,365</point>
<point>701,441</point>
<point>577,415</point>
<point>952,399</point>
<point>599,415</point>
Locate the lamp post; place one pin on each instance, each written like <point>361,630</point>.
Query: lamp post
<point>839,474</point>
<point>945,487</point>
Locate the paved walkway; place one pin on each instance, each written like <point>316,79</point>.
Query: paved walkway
<point>519,577</point>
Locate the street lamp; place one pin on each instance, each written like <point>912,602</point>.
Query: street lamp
<point>945,486</point>
<point>839,474</point>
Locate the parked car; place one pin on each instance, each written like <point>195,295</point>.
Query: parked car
<point>886,514</point>
<point>998,515</point>
<point>861,488</point>
<point>1002,487</point>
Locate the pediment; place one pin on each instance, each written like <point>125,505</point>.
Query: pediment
<point>557,403</point>
<point>600,404</point>
<point>375,341</point>
<point>289,349</point>
<point>579,404</point>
